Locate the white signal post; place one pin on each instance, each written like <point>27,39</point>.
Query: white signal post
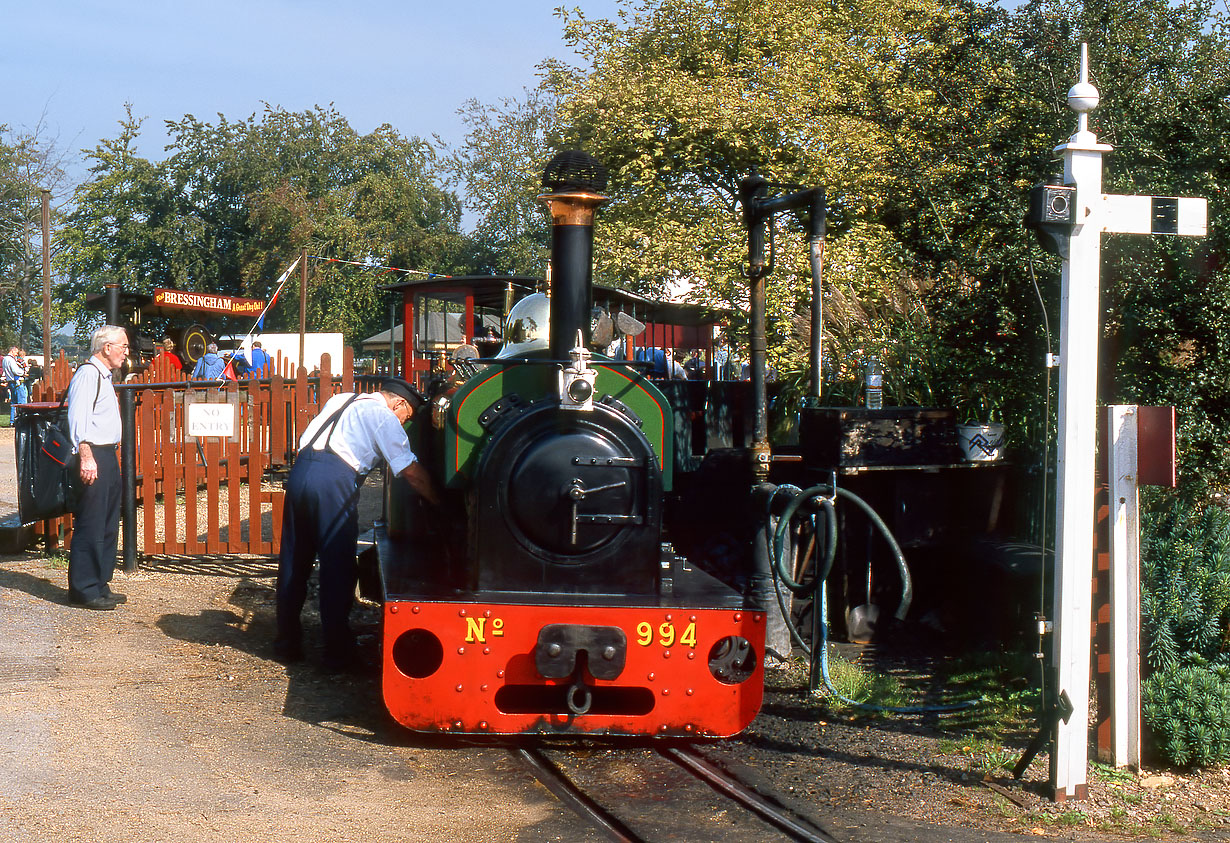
<point>1122,476</point>
<point>1078,379</point>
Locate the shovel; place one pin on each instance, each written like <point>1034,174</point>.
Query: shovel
<point>861,621</point>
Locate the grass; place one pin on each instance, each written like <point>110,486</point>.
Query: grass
<point>852,681</point>
<point>986,755</point>
<point>1107,773</point>
<point>855,682</point>
<point>990,735</point>
<point>1006,699</point>
<point>1072,818</point>
<point>1006,687</point>
<point>1127,798</point>
<point>1164,824</point>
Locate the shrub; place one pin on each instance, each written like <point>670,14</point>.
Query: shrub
<point>1188,711</point>
<point>1185,611</point>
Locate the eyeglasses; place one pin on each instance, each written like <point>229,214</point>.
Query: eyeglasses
<point>121,345</point>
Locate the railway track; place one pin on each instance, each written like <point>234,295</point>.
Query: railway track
<point>630,796</point>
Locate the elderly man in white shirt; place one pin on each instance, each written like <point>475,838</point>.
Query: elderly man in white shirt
<point>94,428</point>
<point>350,436</point>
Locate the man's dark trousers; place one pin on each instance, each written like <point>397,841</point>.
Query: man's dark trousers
<point>96,530</point>
<point>321,519</point>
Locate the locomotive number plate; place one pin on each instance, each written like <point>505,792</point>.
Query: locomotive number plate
<point>666,634</point>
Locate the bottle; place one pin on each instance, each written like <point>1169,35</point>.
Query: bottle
<point>873,383</point>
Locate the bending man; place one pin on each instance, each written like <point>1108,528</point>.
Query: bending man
<point>321,520</point>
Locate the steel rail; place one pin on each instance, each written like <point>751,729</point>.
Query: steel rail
<point>555,781</point>
<point>748,798</point>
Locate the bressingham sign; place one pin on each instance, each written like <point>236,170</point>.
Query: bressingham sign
<point>206,301</point>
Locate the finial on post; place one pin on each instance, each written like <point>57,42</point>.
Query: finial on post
<point>1083,97</point>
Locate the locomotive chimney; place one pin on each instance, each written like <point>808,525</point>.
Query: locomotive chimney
<point>574,182</point>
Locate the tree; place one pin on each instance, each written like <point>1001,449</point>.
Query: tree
<point>234,201</point>
<point>30,162</point>
<point>1162,71</point>
<point>684,99</point>
<point>927,122</point>
<point>500,166</point>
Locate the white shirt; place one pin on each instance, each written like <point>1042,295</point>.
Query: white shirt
<point>14,369</point>
<point>93,408</point>
<point>366,432</point>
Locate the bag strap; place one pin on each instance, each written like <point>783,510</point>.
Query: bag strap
<point>97,386</point>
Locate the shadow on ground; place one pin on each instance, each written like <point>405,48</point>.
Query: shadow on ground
<point>348,703</point>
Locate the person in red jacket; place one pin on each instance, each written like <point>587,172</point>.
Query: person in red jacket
<point>168,351</point>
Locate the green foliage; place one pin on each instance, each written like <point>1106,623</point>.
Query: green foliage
<point>1187,708</point>
<point>927,122</point>
<point>985,755</point>
<point>866,686</point>
<point>234,201</point>
<point>1185,595</point>
<point>685,98</point>
<point>1185,611</point>
<point>500,166</point>
<point>29,163</point>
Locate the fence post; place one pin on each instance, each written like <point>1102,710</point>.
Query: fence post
<point>128,473</point>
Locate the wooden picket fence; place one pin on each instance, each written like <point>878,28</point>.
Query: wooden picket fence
<point>207,495</point>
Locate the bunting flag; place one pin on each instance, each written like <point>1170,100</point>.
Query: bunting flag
<point>385,269</point>
<point>229,372</point>
<point>277,291</point>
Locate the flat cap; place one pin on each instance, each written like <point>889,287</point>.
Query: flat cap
<point>397,386</point>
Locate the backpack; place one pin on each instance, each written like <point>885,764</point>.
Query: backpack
<point>49,480</point>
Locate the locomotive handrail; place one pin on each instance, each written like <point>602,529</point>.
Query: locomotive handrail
<point>512,361</point>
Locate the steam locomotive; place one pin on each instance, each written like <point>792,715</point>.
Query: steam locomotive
<point>565,587</point>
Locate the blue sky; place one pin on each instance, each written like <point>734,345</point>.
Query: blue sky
<point>74,63</point>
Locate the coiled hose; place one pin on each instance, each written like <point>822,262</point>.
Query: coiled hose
<point>827,494</point>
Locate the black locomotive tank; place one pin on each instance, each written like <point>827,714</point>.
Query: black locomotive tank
<point>567,502</point>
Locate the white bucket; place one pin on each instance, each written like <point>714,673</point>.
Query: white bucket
<point>981,442</point>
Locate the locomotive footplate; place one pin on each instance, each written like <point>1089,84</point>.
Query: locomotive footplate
<point>407,572</point>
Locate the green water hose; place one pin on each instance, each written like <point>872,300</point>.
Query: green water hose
<point>827,495</point>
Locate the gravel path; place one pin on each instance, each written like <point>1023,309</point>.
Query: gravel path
<point>164,721</point>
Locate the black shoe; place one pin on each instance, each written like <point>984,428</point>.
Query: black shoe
<point>101,604</point>
<point>287,652</point>
<point>117,597</point>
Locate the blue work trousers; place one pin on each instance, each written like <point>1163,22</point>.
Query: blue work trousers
<point>319,521</point>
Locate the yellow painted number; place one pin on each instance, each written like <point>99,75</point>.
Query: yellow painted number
<point>666,634</point>
<point>644,634</point>
<point>688,639</point>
